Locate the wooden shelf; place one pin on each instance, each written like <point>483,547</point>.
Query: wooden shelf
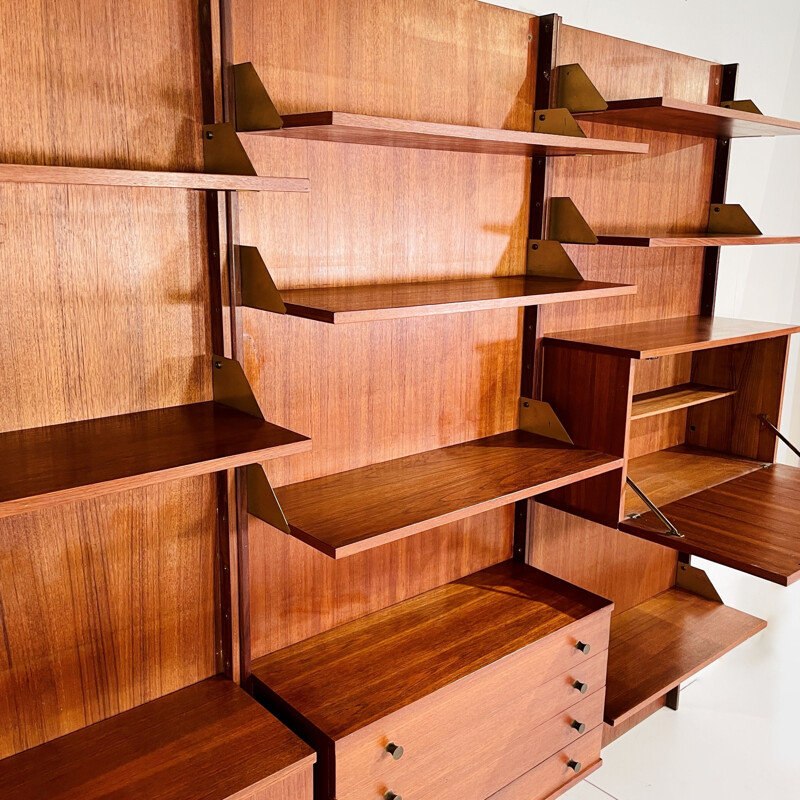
<point>665,337</point>
<point>79,460</point>
<point>348,677</point>
<point>669,475</point>
<point>210,741</point>
<point>673,398</point>
<point>690,119</point>
<point>89,176</point>
<point>662,642</point>
<point>692,239</point>
<point>750,523</point>
<point>336,126</point>
<point>348,512</point>
<point>392,301</point>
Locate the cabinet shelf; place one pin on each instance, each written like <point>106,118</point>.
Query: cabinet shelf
<point>90,176</point>
<point>665,640</point>
<point>80,460</point>
<point>656,338</point>
<point>337,126</point>
<point>673,398</point>
<point>348,512</point>
<point>691,119</point>
<point>692,239</point>
<point>210,741</point>
<point>392,301</point>
<point>750,523</point>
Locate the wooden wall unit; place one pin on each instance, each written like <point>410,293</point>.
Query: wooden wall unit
<point>447,417</point>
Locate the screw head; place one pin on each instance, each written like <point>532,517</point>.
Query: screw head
<point>217,365</point>
<point>209,134</point>
<point>535,247</point>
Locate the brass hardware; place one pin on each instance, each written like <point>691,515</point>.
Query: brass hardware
<point>395,750</point>
<point>258,288</point>
<point>536,416</point>
<point>261,499</point>
<point>742,105</point>
<point>731,218</point>
<point>231,387</point>
<point>671,529</point>
<point>557,121</point>
<point>694,580</point>
<point>575,766</point>
<point>767,424</point>
<point>548,259</point>
<point>581,687</point>
<point>566,223</point>
<point>223,152</point>
<point>583,647</point>
<point>575,90</point>
<point>255,110</point>
<point>579,726</point>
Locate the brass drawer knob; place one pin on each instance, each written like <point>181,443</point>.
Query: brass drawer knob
<point>579,726</point>
<point>575,766</point>
<point>390,795</point>
<point>581,687</point>
<point>395,750</point>
<point>583,647</point>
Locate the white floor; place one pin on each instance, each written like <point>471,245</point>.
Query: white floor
<point>737,733</point>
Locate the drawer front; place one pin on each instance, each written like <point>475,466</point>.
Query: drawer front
<point>553,777</point>
<point>470,745</point>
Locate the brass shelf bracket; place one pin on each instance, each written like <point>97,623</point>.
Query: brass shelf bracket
<point>575,90</point>
<point>730,218</point>
<point>223,151</point>
<point>536,416</point>
<point>566,224</point>
<point>255,110</point>
<point>671,529</point>
<point>261,499</point>
<point>231,387</point>
<point>767,424</point>
<point>742,105</point>
<point>557,121</point>
<point>695,580</point>
<point>548,259</point>
<point>258,288</point>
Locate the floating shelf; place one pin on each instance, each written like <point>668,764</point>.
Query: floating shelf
<point>655,338</point>
<point>392,301</point>
<point>673,398</point>
<point>691,119</point>
<point>336,126</point>
<point>665,640</point>
<point>346,678</point>
<point>89,176</point>
<point>80,460</point>
<point>692,239</point>
<point>209,741</point>
<point>750,523</point>
<point>669,475</point>
<point>348,512</point>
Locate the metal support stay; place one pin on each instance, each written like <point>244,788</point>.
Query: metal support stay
<point>223,151</point>
<point>671,529</point>
<point>231,387</point>
<point>767,424</point>
<point>536,416</point>
<point>548,259</point>
<point>566,223</point>
<point>255,110</point>
<point>731,218</point>
<point>258,288</point>
<point>742,105</point>
<point>261,499</point>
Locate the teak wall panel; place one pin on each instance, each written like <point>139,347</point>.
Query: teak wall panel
<point>104,605</point>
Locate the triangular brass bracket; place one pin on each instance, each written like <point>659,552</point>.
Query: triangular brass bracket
<point>223,151</point>
<point>557,121</point>
<point>575,90</point>
<point>742,105</point>
<point>536,416</point>
<point>566,223</point>
<point>255,110</point>
<point>694,580</point>
<point>547,259</point>
<point>730,218</point>
<point>261,499</point>
<point>258,288</point>
<point>231,387</point>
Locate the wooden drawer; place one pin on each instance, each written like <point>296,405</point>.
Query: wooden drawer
<point>553,777</point>
<point>471,742</point>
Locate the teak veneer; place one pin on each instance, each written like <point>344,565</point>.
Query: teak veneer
<point>665,640</point>
<point>347,512</point>
<point>92,176</point>
<point>671,115</point>
<point>392,301</point>
<point>691,239</point>
<point>750,523</point>
<point>210,741</point>
<point>336,126</point>
<point>77,460</point>
<point>673,398</point>
<point>656,338</point>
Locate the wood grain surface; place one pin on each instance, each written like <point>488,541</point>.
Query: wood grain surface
<point>674,398</point>
<point>694,239</point>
